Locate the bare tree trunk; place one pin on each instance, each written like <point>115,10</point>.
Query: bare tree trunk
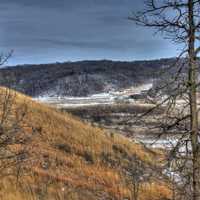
<point>193,103</point>
<point>180,21</point>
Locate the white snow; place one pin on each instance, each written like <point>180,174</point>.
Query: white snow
<point>162,143</point>
<point>103,98</point>
<point>96,99</point>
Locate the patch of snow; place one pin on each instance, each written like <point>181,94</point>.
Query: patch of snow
<point>95,99</point>
<point>167,143</point>
<point>103,98</point>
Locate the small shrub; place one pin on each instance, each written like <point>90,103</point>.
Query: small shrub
<point>64,147</point>
<point>119,149</point>
<point>88,157</point>
<point>108,159</point>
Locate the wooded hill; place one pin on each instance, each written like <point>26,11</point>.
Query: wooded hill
<point>80,78</point>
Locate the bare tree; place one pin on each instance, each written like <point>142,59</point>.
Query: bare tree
<point>179,21</point>
<point>15,132</point>
<point>13,136</point>
<point>5,57</point>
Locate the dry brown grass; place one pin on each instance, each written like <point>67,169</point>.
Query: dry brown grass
<point>66,154</point>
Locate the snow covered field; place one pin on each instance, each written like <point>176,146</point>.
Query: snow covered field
<point>104,98</point>
<point>162,143</point>
<point>96,99</point>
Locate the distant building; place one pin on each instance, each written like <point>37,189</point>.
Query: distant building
<point>139,96</point>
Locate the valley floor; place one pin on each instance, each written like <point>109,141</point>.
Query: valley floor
<point>103,111</point>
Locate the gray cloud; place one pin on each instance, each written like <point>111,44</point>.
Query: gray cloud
<point>49,30</point>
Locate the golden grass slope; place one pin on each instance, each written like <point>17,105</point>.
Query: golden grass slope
<point>65,158</point>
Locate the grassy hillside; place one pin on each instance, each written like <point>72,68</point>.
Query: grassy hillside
<point>60,157</point>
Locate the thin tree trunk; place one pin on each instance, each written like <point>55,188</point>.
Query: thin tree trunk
<point>193,103</point>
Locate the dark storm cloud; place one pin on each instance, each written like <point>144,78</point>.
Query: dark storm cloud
<point>49,30</point>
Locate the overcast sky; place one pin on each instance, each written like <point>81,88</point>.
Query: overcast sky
<point>43,31</point>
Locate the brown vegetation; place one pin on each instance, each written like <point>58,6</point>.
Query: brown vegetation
<point>67,159</point>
